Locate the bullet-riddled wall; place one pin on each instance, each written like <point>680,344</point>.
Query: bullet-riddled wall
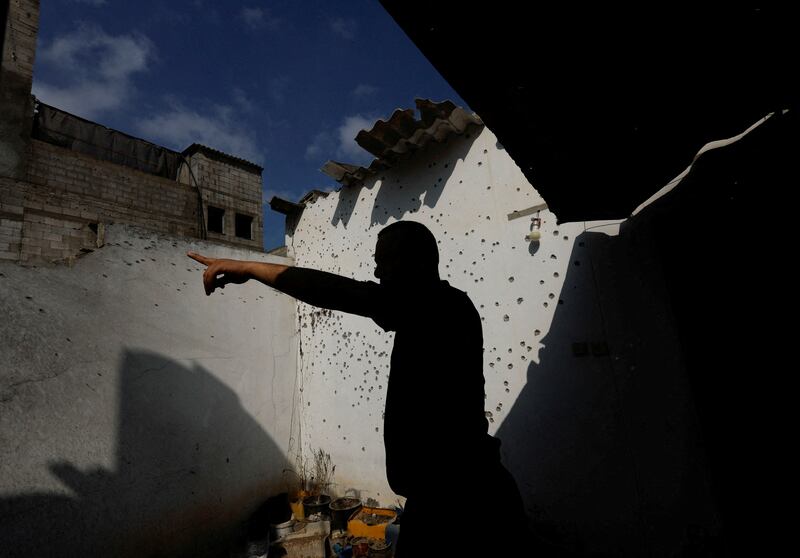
<point>584,383</point>
<point>139,417</point>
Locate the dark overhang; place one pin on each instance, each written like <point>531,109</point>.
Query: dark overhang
<point>601,107</point>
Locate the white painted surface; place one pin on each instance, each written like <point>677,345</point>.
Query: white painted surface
<point>463,191</point>
<point>581,360</point>
<point>135,412</point>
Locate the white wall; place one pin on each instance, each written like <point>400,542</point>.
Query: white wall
<point>462,191</point>
<point>601,456</point>
<point>138,416</point>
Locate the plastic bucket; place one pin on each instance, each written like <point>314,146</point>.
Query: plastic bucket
<point>343,509</point>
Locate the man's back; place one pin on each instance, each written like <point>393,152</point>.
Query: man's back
<point>434,405</point>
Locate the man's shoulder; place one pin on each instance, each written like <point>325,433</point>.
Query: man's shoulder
<point>457,298</point>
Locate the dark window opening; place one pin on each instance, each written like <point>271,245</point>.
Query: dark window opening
<point>244,226</point>
<point>215,219</point>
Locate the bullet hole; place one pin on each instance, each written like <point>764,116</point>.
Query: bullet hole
<point>555,233</point>
<point>551,296</point>
<point>488,414</point>
<point>519,300</point>
<point>545,304</point>
<point>498,359</point>
<point>541,281</point>
<point>485,151</point>
<point>577,262</point>
<point>41,310</point>
<point>510,350</point>
<point>554,274</point>
<point>491,365</point>
<point>553,257</point>
<point>511,279</point>
<point>496,303</point>
<point>480,163</point>
<point>506,318</point>
<point>536,332</point>
<point>510,366</point>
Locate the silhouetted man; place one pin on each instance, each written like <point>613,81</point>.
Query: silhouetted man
<point>438,452</point>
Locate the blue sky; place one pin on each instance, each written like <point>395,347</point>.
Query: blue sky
<point>285,84</point>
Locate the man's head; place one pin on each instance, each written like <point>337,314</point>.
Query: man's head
<point>406,252</point>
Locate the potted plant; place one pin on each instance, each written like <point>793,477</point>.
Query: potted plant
<point>342,509</point>
<point>317,500</point>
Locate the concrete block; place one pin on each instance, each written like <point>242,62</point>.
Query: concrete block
<point>9,255</point>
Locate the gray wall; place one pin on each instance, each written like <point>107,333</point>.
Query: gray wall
<point>138,416</point>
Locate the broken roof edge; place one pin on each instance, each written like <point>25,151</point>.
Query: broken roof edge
<point>287,207</point>
<point>394,139</point>
<point>391,141</point>
<point>222,157</point>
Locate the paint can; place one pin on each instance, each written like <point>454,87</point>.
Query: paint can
<point>360,548</point>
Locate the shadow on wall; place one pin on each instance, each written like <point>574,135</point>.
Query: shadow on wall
<point>602,443</point>
<point>443,157</point>
<point>562,439</point>
<point>191,465</point>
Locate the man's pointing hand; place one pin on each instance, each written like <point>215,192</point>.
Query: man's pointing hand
<point>220,272</point>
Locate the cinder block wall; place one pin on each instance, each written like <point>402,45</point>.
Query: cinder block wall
<point>55,212</point>
<point>53,201</point>
<point>16,75</point>
<point>231,187</point>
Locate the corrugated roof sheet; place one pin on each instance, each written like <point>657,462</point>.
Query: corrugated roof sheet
<point>222,157</point>
<point>402,134</point>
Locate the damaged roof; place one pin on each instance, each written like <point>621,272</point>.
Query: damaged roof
<point>601,106</point>
<point>391,141</point>
<point>394,139</point>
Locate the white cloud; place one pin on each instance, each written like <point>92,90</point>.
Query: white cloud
<point>340,143</point>
<point>345,28</point>
<point>94,70</point>
<point>364,90</point>
<point>218,128</point>
<point>347,133</point>
<point>258,18</point>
